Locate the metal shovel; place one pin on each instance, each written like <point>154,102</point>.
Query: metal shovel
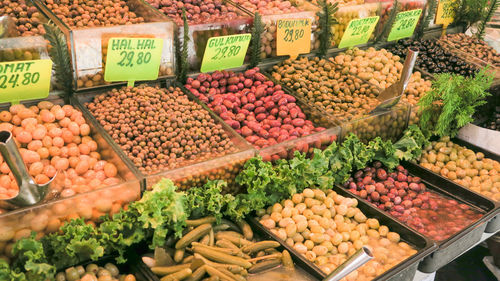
<point>357,260</point>
<point>30,192</point>
<point>391,96</point>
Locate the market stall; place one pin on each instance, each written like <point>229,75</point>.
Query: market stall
<point>245,140</point>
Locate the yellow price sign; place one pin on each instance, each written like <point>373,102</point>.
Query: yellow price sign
<point>446,12</point>
<point>293,37</point>
<point>25,80</point>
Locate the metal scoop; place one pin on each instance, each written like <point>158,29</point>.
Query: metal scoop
<point>30,193</point>
<point>391,96</point>
<point>357,260</point>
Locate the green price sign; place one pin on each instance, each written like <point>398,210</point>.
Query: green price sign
<point>133,59</point>
<point>225,52</point>
<point>404,25</point>
<point>358,32</point>
<point>24,80</point>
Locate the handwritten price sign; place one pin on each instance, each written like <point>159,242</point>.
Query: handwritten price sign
<point>358,32</point>
<point>293,37</point>
<point>446,12</point>
<point>133,59</point>
<point>404,25</point>
<point>225,52</point>
<point>25,80</point>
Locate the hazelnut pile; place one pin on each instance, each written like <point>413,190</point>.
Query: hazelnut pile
<point>160,128</point>
<point>197,11</point>
<point>26,18</point>
<point>91,13</point>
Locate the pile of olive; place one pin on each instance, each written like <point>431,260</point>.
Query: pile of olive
<point>433,58</point>
<point>93,272</point>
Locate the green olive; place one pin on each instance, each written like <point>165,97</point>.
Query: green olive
<point>60,276</point>
<point>113,270</point>
<point>92,268</point>
<point>72,274</point>
<point>103,272</point>
<point>80,270</point>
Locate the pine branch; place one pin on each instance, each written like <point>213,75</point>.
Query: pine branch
<point>59,53</point>
<point>257,30</point>
<point>390,21</point>
<point>495,4</point>
<point>430,12</point>
<point>184,65</point>
<point>326,16</point>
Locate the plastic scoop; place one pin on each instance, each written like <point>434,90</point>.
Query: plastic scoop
<point>357,260</point>
<point>391,96</point>
<point>30,192</point>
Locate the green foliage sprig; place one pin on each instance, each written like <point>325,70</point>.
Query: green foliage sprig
<point>430,12</point>
<point>468,12</point>
<point>452,101</point>
<point>58,51</point>
<point>183,62</point>
<point>390,21</point>
<point>326,16</point>
<point>257,30</point>
<point>481,29</point>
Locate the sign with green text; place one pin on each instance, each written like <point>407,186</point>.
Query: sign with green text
<point>25,80</point>
<point>404,25</point>
<point>446,12</point>
<point>293,37</point>
<point>225,52</point>
<point>358,31</point>
<point>133,59</point>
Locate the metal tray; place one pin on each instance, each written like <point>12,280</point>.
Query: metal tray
<point>405,270</point>
<point>494,224</point>
<point>458,243</point>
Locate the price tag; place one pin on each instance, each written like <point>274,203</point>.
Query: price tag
<point>225,52</point>
<point>358,31</point>
<point>133,59</point>
<point>293,37</point>
<point>24,80</point>
<point>445,12</point>
<point>404,25</point>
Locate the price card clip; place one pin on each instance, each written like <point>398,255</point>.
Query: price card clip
<point>133,59</point>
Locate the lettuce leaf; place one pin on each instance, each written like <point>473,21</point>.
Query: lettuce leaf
<point>410,146</point>
<point>162,210</point>
<point>384,152</point>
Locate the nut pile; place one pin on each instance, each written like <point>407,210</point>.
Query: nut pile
<point>197,11</point>
<point>329,228</point>
<point>433,58</point>
<point>254,106</point>
<point>27,18</point>
<point>463,166</point>
<point>339,93</point>
<point>160,128</point>
<point>268,7</point>
<point>407,198</point>
<point>55,138</point>
<point>84,14</point>
<point>473,46</point>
